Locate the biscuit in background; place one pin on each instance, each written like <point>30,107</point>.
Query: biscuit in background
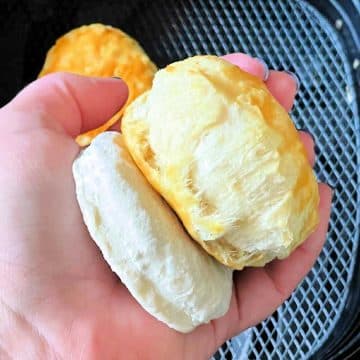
<point>104,51</point>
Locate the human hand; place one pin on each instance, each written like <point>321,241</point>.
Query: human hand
<point>58,296</point>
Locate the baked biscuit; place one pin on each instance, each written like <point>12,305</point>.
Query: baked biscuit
<point>214,142</point>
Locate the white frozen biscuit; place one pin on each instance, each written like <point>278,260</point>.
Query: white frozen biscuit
<point>143,241</point>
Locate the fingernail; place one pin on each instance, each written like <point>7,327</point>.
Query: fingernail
<point>116,77</point>
<point>295,77</point>
<point>308,132</point>
<point>266,68</point>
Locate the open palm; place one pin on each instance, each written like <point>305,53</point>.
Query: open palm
<point>59,299</point>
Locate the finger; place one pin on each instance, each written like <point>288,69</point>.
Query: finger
<point>284,87</point>
<point>115,127</point>
<point>263,289</point>
<point>113,124</point>
<point>309,145</point>
<point>312,246</point>
<point>249,64</point>
<point>75,102</point>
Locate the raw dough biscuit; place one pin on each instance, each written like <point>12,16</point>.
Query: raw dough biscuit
<point>99,50</point>
<point>142,240</point>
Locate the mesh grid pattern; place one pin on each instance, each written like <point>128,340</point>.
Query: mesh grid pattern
<point>287,35</point>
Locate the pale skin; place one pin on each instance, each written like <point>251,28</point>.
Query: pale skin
<point>58,297</point>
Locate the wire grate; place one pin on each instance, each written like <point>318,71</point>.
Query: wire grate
<point>291,35</point>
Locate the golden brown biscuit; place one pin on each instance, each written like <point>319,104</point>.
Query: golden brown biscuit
<point>226,156</point>
<point>99,50</point>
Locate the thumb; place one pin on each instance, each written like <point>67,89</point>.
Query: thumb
<point>73,103</point>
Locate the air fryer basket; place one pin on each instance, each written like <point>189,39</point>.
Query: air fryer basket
<point>320,44</point>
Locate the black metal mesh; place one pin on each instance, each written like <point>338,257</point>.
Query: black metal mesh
<point>287,34</point>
